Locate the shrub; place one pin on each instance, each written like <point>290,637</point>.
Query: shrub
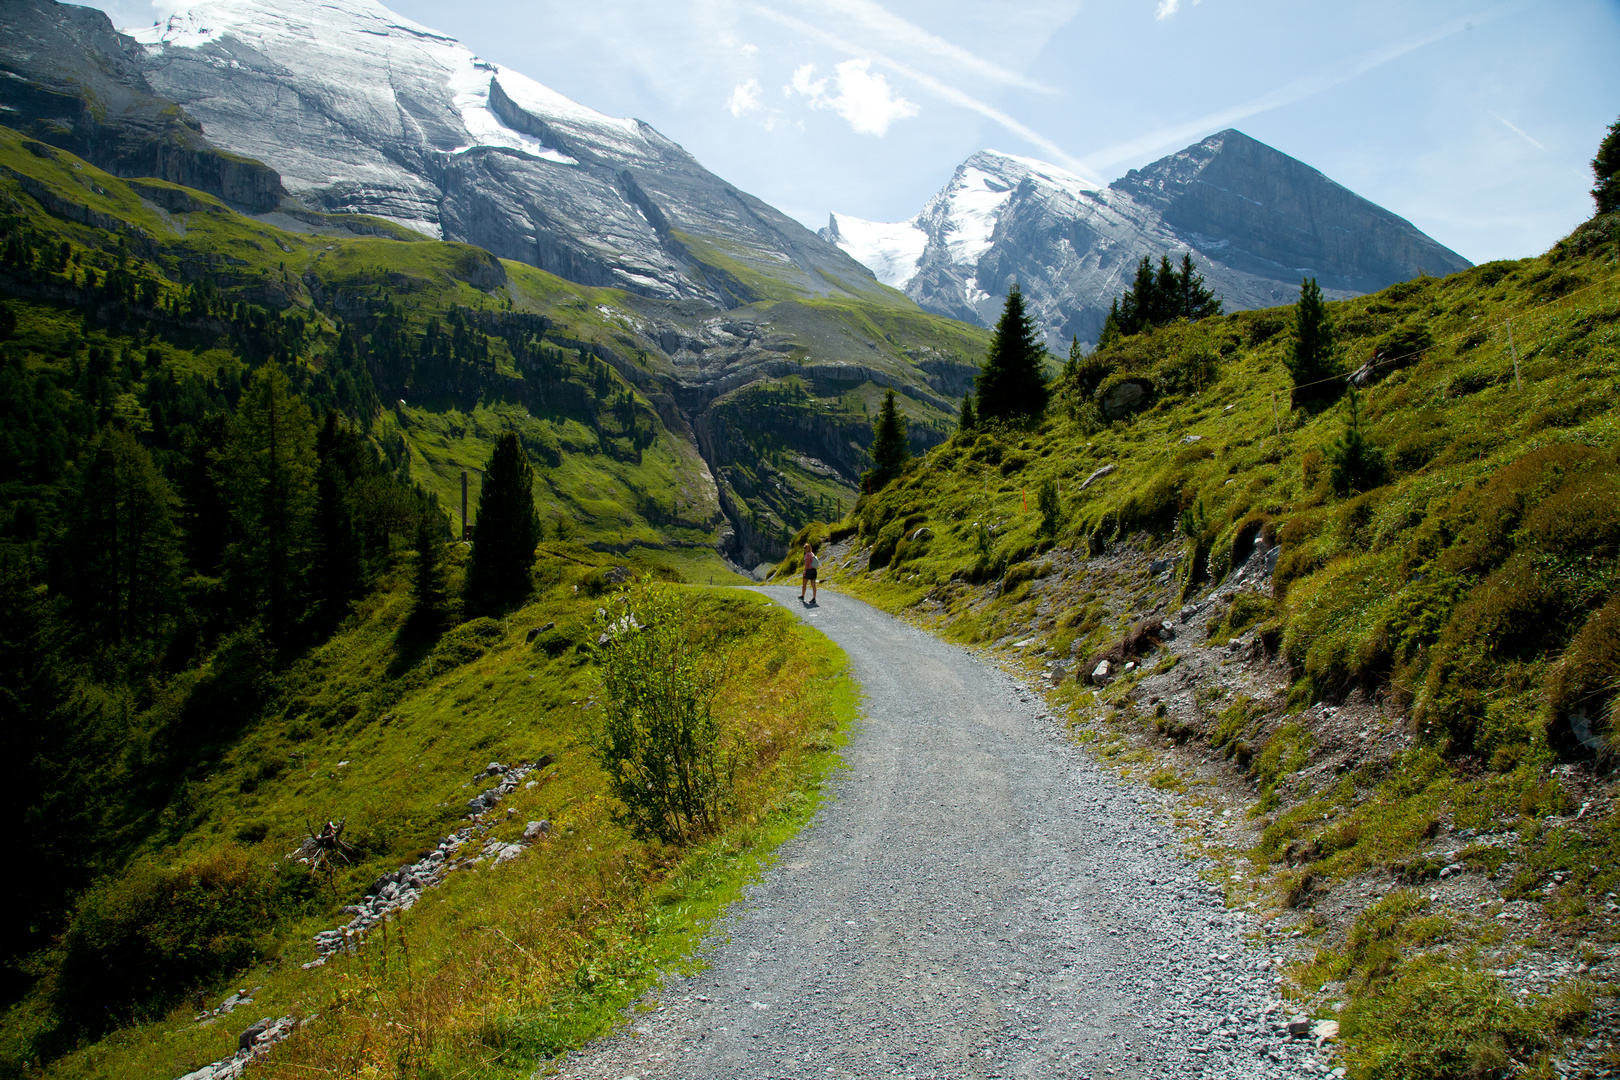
<point>888,538</point>
<point>657,737</point>
<point>143,941</point>
<point>1587,677</point>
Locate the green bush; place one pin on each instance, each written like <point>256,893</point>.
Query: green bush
<point>143,941</point>
<point>657,737</point>
<point>467,643</point>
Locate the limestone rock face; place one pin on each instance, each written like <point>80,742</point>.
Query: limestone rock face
<point>69,79</point>
<point>364,111</point>
<point>1255,220</point>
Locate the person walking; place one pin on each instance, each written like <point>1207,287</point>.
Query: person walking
<point>811,564</point>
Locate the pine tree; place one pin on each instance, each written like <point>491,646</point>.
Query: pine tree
<point>1606,170</point>
<point>428,613</point>
<point>1194,301</point>
<point>272,464</point>
<point>890,450</point>
<point>506,530</point>
<point>966,421</point>
<point>1355,464</point>
<point>1050,507</point>
<point>1311,361</point>
<point>1011,383</point>
<point>1111,331</point>
<point>116,556</point>
<point>338,573</point>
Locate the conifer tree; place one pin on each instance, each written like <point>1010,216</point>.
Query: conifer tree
<point>1194,301</point>
<point>1355,463</point>
<point>966,421</point>
<point>338,571</point>
<point>116,557</point>
<point>272,464</point>
<point>890,450</point>
<point>1606,170</point>
<point>506,530</point>
<point>428,614</point>
<point>1311,361</point>
<point>1011,383</point>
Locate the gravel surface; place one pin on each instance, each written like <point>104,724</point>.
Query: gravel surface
<point>977,898</point>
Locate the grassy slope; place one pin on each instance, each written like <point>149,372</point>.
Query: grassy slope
<point>509,963</point>
<point>603,497</point>
<point>1453,594</point>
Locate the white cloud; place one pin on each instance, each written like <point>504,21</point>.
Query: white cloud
<point>1166,9</point>
<point>935,86</point>
<point>745,99</point>
<point>864,99</point>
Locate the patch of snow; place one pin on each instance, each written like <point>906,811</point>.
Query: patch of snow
<point>363,38</point>
<point>890,251</point>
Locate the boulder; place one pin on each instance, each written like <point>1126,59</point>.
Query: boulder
<point>1102,672</point>
<point>535,830</point>
<point>1124,398</point>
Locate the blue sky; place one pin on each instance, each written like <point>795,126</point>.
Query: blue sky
<point>1474,120</point>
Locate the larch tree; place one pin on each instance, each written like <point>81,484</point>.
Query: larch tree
<point>506,530</point>
<point>1011,384</point>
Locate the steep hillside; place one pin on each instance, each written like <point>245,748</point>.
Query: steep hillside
<point>1380,633</point>
<point>652,422</point>
<point>1255,220</point>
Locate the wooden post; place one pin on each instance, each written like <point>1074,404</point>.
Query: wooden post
<point>1514,349</point>
<point>464,504</point>
<point>1276,417</point>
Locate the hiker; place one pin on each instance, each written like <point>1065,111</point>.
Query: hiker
<point>810,565</point>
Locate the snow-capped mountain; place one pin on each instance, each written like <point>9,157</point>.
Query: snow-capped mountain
<point>362,110</point>
<point>1255,220</point>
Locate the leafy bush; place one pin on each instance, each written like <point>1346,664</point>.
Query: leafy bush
<point>657,737</point>
<point>141,942</point>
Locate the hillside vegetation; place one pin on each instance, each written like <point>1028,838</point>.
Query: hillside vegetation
<point>1436,548</point>
<point>230,460</point>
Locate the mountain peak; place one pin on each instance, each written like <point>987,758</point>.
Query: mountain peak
<point>1255,220</point>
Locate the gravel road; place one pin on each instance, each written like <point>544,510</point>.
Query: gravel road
<point>977,898</point>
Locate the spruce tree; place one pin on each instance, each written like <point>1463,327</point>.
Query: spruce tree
<point>506,531</point>
<point>890,450</point>
<point>338,573</point>
<point>116,557</point>
<point>1011,384</point>
<point>428,614</point>
<point>1606,170</point>
<point>1311,361</point>
<point>966,421</point>
<point>272,465</point>
<point>1194,301</point>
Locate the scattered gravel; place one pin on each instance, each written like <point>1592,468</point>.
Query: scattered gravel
<point>977,898</point>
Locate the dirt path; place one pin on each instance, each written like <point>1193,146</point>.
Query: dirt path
<point>977,898</point>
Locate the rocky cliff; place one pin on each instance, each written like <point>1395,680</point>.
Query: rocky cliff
<point>1255,220</point>
<point>69,79</point>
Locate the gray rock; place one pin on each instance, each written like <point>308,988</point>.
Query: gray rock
<point>251,1035</point>
<point>535,830</point>
<point>1125,397</point>
<point>1105,470</point>
<point>1102,672</point>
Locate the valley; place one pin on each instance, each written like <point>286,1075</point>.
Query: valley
<point>392,453</point>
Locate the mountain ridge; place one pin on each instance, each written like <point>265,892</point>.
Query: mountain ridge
<point>1255,220</point>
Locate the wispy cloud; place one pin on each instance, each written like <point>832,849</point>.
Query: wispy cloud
<point>1166,9</point>
<point>900,35</point>
<point>1298,90</point>
<point>866,100</point>
<point>937,87</point>
<point>1519,131</point>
